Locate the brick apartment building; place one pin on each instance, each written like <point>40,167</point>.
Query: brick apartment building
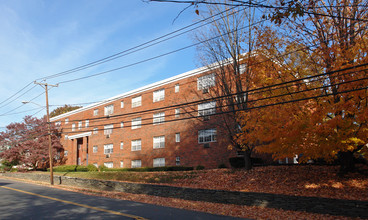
<point>149,127</point>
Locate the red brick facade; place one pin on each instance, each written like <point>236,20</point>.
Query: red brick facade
<point>83,142</point>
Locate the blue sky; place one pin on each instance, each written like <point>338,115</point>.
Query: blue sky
<point>40,38</point>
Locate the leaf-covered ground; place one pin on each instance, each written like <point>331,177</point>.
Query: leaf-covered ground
<point>311,180</point>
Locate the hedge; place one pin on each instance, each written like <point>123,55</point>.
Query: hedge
<point>78,168</point>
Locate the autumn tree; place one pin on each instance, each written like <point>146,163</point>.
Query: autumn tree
<point>63,109</point>
<point>28,145</point>
<point>334,123</point>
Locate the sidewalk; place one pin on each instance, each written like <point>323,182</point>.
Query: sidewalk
<point>337,207</point>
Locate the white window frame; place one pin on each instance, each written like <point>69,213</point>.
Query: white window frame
<point>121,124</point>
<point>121,164</point>
<point>95,112</point>
<point>86,123</point>
<point>207,108</point>
<point>177,88</point>
<point>207,136</point>
<point>108,148</point>
<point>66,137</point>
<point>122,104</point>
<point>136,123</point>
<point>66,120</point>
<point>137,145</point>
<point>159,95</point>
<point>73,127</point>
<point>80,125</point>
<point>177,112</point>
<point>158,118</point>
<point>95,149</point>
<point>206,81</point>
<point>136,163</point>
<point>121,145</point>
<point>177,161</point>
<point>159,162</point>
<point>57,123</point>
<point>109,164</point>
<point>177,137</point>
<point>65,153</point>
<point>158,142</point>
<point>136,101</point>
<point>108,129</point>
<point>109,110</point>
<point>95,130</point>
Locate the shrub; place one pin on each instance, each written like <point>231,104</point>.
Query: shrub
<point>92,168</point>
<point>221,166</point>
<point>200,167</point>
<point>69,168</point>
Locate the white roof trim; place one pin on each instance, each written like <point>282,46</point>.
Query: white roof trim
<point>136,91</point>
<point>80,135</point>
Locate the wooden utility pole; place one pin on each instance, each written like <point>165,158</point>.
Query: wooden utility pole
<point>44,85</point>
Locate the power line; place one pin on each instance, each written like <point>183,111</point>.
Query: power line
<point>139,47</point>
<point>244,92</point>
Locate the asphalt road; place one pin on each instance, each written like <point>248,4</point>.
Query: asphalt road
<point>20,200</point>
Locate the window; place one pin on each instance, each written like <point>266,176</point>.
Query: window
<point>158,118</point>
<point>242,68</point>
<point>177,137</point>
<point>207,108</point>
<point>66,120</point>
<point>121,164</point>
<point>159,162</point>
<point>177,161</point>
<point>158,142</point>
<point>136,145</point>
<point>159,95</point>
<point>58,123</point>
<point>122,124</point>
<point>66,153</point>
<point>108,129</point>
<point>205,82</point>
<point>66,137</point>
<point>177,88</point>
<point>136,163</point>
<point>80,124</point>
<point>108,148</point>
<point>95,148</point>
<point>205,136</point>
<point>95,130</point>
<point>137,101</point>
<point>177,113</point>
<point>95,112</point>
<point>109,164</point>
<point>109,110</point>
<point>73,127</point>
<point>87,123</point>
<point>121,145</point>
<point>122,104</point>
<point>136,123</point>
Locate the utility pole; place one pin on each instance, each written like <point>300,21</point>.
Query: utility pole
<point>44,85</point>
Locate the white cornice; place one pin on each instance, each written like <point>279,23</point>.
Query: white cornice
<point>135,91</point>
<point>80,135</point>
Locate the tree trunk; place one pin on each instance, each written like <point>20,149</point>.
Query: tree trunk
<point>247,161</point>
<point>347,163</point>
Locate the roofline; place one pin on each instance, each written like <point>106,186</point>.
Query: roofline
<point>136,91</point>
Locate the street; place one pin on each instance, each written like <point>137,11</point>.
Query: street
<point>29,201</point>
